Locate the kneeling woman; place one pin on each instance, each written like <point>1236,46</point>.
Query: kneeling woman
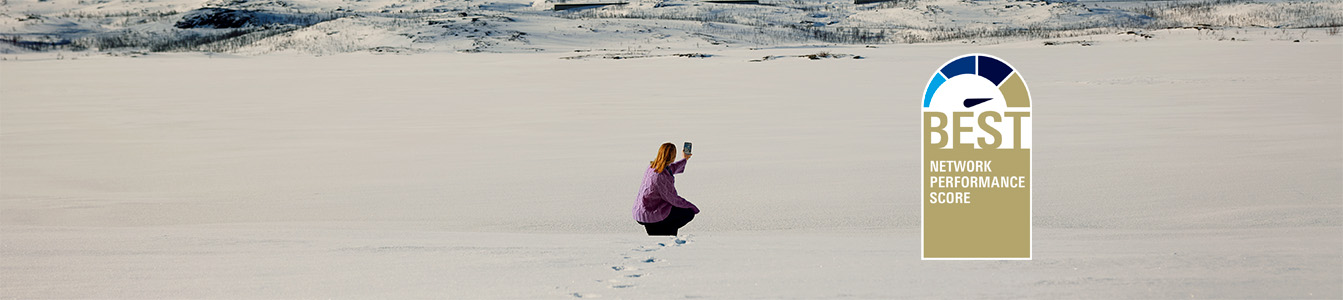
<point>659,209</point>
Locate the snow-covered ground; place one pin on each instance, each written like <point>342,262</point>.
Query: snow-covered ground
<point>1183,166</point>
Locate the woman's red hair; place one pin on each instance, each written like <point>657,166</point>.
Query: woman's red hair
<point>666,154</point>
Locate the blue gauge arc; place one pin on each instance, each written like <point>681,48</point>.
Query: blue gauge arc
<point>996,71</point>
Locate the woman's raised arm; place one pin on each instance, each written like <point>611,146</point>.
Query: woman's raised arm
<point>679,166</point>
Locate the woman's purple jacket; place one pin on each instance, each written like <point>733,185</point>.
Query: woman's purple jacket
<point>658,195</point>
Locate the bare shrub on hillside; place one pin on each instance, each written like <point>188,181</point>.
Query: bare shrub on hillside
<point>1234,13</point>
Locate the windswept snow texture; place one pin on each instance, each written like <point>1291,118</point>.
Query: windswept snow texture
<point>1183,166</point>
<point>403,26</point>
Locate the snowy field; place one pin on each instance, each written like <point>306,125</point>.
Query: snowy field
<point>1185,166</point>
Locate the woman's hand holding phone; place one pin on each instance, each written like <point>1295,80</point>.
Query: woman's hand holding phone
<point>685,150</point>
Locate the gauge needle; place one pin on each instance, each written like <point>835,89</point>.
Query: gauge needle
<point>971,102</point>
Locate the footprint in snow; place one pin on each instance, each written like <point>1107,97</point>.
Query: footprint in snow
<point>675,241</point>
<point>681,240</point>
<point>615,284</point>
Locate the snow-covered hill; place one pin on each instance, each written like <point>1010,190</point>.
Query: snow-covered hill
<point>410,26</point>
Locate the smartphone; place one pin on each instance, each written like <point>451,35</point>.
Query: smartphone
<point>686,148</point>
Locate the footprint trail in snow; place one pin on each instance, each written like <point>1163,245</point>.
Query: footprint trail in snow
<point>638,263</point>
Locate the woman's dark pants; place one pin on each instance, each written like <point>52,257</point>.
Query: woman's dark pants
<point>675,220</point>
